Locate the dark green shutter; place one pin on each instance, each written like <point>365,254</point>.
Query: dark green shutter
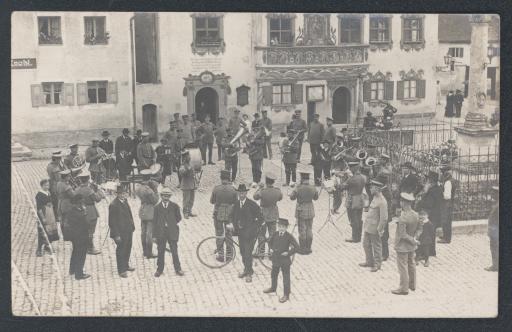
<point>420,88</point>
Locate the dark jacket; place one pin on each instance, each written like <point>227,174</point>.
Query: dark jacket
<point>431,202</point>
<point>165,222</point>
<point>248,218</point>
<point>280,244</point>
<point>124,162</point>
<point>120,219</point>
<point>107,146</point>
<point>78,230</point>
<point>410,184</point>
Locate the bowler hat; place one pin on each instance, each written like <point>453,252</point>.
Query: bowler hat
<point>126,131</point>
<point>242,187</point>
<point>166,192</point>
<point>407,197</point>
<point>73,146</point>
<point>105,133</point>
<point>283,221</point>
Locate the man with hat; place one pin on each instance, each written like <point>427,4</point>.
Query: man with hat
<point>386,193</point>
<point>53,170</point>
<point>493,230</point>
<point>148,198</point>
<point>145,153</point>
<point>458,99</point>
<point>247,215</point>
<point>369,121</point>
<point>120,221</point>
<point>171,134</point>
<point>94,155</point>
<point>257,121</point>
<point>64,192</point>
<point>188,184</point>
<point>410,181</point>
<point>299,126</point>
<point>282,246</point>
<point>432,201</point>
<point>207,139</point>
<point>268,196</point>
<point>177,121</point>
<point>374,226</point>
<point>78,235</point>
<point>315,136</point>
<point>109,163</point>
<point>337,160</point>
<point>230,154</point>
<point>124,157</point>
<point>330,132</point>
<point>137,139</point>
<point>91,195</point>
<point>355,202</point>
<point>305,193</point>
<point>385,167</point>
<point>220,133</point>
<point>164,157</point>
<point>267,124</point>
<point>166,219</point>
<point>188,132</point>
<point>73,159</point>
<point>447,206</point>
<point>407,231</point>
<point>289,152</point>
<point>234,121</point>
<point>322,165</point>
<point>255,151</point>
<point>224,198</point>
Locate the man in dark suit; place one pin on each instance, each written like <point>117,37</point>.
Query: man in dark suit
<point>79,236</point>
<point>280,244</point>
<point>120,221</point>
<point>247,215</point>
<point>165,222</point>
<point>108,146</point>
<point>124,154</point>
<point>410,181</point>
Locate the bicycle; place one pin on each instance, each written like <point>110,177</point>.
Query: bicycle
<point>208,254</point>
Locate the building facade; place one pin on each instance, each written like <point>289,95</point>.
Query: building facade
<point>115,70</point>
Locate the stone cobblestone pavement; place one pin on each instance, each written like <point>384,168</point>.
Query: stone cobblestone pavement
<point>328,283</point>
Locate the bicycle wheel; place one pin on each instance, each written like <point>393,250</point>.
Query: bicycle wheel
<point>209,255</point>
<point>263,254</point>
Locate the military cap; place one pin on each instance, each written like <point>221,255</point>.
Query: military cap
<point>184,152</point>
<point>377,184</point>
<point>146,172</point>
<point>270,176</point>
<point>317,115</point>
<point>120,189</point>
<point>257,115</point>
<point>184,116</point>
<point>407,197</point>
<point>382,179</point>
<point>433,176</point>
<point>263,111</point>
<point>57,154</point>
<point>298,111</point>
<point>236,110</point>
<point>283,221</point>
<point>166,192</point>
<point>353,163</point>
<point>445,168</point>
<point>407,164</point>
<point>95,140</point>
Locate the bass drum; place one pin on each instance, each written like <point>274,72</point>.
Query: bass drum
<point>195,159</point>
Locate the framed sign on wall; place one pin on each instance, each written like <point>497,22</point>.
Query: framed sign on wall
<point>315,93</point>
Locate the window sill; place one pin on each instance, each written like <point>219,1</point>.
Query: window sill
<point>202,48</point>
<point>416,45</point>
<point>50,44</point>
<point>411,101</point>
<point>381,45</point>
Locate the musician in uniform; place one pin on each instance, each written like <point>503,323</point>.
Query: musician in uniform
<point>164,157</point>
<point>124,157</point>
<point>267,124</point>
<point>234,121</point>
<point>247,215</point>
<point>73,159</point>
<point>108,146</point>
<point>385,167</point>
<point>256,144</point>
<point>120,222</point>
<point>223,197</point>
<point>94,156</point>
<point>177,149</point>
<point>65,192</point>
<point>289,152</point>
<point>137,139</point>
<point>407,231</point>
<point>305,193</point>
<point>315,136</point>
<point>282,246</point>
<point>355,201</point>
<point>145,153</point>
<point>207,140</point>
<point>256,123</point>
<point>268,196</point>
<point>330,132</point>
<point>187,132</point>
<point>337,161</point>
<point>220,133</point>
<point>91,195</point>
<point>77,233</point>
<point>231,155</point>
<point>188,184</point>
<point>147,193</point>
<point>166,230</point>
<point>322,163</point>
<point>374,225</point>
<point>299,125</point>
<point>53,169</point>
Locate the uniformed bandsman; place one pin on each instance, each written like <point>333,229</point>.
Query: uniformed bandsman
<point>220,133</point>
<point>109,163</point>
<point>231,156</point>
<point>322,163</point>
<point>188,184</point>
<point>94,155</point>
<point>223,198</point>
<point>299,125</point>
<point>148,196</point>
<point>305,193</point>
<point>268,196</point>
<point>73,159</point>
<point>145,153</point>
<point>290,157</point>
<point>267,124</point>
<point>355,201</point>
<point>65,192</point>
<point>330,132</point>
<point>53,169</point>
<point>256,144</point>
<point>124,157</point>
<point>91,196</point>
<point>164,157</point>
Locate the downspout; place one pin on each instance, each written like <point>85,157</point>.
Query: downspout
<point>132,54</point>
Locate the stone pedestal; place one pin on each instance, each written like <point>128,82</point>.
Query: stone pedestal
<point>476,141</point>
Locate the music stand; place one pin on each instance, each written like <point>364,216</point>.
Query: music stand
<point>329,218</point>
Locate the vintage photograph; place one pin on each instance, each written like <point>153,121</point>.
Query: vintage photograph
<point>243,164</point>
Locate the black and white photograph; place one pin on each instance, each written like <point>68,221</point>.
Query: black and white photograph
<point>255,164</point>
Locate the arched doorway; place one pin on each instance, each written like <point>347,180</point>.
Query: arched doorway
<point>341,105</point>
<point>149,121</point>
<point>207,103</point>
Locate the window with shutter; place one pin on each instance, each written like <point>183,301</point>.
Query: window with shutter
<point>112,92</point>
<point>297,93</point>
<point>36,94</point>
<point>400,90</point>
<point>69,96</point>
<point>420,88</point>
<point>366,91</point>
<point>389,87</point>
<point>267,95</point>
<point>81,94</point>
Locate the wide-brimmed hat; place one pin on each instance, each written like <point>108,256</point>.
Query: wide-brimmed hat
<point>242,187</point>
<point>105,133</point>
<point>407,197</point>
<point>283,221</point>
<point>166,192</point>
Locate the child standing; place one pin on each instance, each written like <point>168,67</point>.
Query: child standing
<point>426,238</point>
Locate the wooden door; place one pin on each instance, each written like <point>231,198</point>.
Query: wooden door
<point>149,121</point>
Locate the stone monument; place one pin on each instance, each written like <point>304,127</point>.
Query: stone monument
<point>476,132</point>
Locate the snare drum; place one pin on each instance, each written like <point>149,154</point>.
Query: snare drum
<point>329,186</point>
<point>195,159</point>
